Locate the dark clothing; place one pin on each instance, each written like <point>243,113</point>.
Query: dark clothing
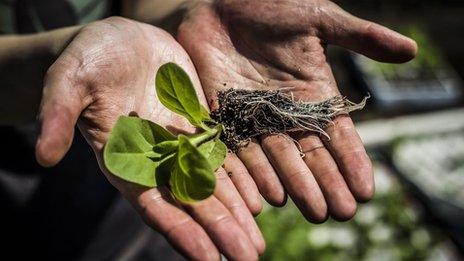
<point>30,16</point>
<point>69,211</point>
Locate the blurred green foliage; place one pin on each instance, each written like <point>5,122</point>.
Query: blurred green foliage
<point>428,58</point>
<point>387,228</point>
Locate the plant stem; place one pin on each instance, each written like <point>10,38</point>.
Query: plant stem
<point>206,135</point>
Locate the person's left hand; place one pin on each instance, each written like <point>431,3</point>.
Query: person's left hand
<point>107,70</point>
<point>262,45</point>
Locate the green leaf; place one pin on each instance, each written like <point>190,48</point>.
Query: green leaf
<point>129,150</point>
<point>215,151</point>
<point>163,171</point>
<point>176,92</point>
<point>166,147</point>
<point>192,178</point>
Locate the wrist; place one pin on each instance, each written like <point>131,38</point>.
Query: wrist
<point>26,59</point>
<point>54,42</point>
<point>167,15</point>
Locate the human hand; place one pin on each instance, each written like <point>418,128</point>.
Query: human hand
<point>107,70</point>
<point>275,44</point>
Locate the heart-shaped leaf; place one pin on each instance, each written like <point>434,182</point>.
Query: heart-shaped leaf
<point>129,153</point>
<point>176,92</point>
<point>215,151</point>
<point>192,178</point>
<point>164,169</point>
<point>166,147</point>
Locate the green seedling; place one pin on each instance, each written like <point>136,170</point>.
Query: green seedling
<point>143,152</point>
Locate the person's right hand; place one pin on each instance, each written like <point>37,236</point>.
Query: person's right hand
<point>107,70</point>
<point>275,45</point>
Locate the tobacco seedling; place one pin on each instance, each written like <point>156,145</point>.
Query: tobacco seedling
<point>143,152</point>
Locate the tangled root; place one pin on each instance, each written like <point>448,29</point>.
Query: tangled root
<point>248,114</point>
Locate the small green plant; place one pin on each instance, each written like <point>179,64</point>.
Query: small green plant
<point>142,152</point>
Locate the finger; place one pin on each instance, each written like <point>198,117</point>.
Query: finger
<point>368,38</point>
<point>340,201</point>
<point>351,157</point>
<point>264,175</point>
<point>223,229</point>
<point>62,103</point>
<point>296,176</point>
<point>243,182</point>
<point>229,196</point>
<point>158,210</point>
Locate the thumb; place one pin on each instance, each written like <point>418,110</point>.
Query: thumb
<point>60,109</point>
<point>370,39</point>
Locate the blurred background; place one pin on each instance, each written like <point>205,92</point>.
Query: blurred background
<point>413,128</point>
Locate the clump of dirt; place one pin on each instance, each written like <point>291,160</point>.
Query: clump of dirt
<point>248,114</point>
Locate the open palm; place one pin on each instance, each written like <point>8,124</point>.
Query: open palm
<point>276,44</point>
<point>107,70</point>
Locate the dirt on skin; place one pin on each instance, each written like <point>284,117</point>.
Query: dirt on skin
<point>248,114</point>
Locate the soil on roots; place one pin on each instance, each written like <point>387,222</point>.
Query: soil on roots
<point>249,114</point>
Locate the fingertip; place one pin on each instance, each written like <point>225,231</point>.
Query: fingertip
<point>255,206</point>
<point>244,183</point>
<point>314,210</point>
<point>261,246</point>
<point>413,49</point>
<point>366,188</point>
<point>278,199</point>
<point>316,214</point>
<point>251,255</point>
<point>212,255</point>
<point>388,45</point>
<point>273,192</point>
<point>53,143</point>
<point>366,194</point>
<point>56,134</point>
<point>317,217</point>
<point>45,156</point>
<point>407,50</point>
<point>346,211</point>
<point>263,174</point>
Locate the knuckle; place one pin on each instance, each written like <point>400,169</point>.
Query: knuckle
<point>222,220</point>
<point>330,176</point>
<point>147,209</point>
<point>145,202</point>
<point>64,70</point>
<point>235,206</point>
<point>365,167</point>
<point>181,225</point>
<point>297,174</point>
<point>117,19</point>
<point>259,167</point>
<point>221,175</point>
<point>357,162</point>
<point>239,172</point>
<point>314,151</point>
<point>278,143</point>
<point>343,127</point>
<point>54,71</point>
